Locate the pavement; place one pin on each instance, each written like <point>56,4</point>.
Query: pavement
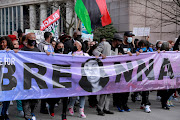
<point>136,113</point>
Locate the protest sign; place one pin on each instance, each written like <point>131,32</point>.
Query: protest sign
<point>85,34</point>
<point>34,75</point>
<point>39,34</point>
<point>141,31</point>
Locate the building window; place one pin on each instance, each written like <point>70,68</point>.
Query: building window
<point>0,21</point>
<point>10,19</point>
<point>3,20</point>
<point>6,21</point>
<point>14,14</point>
<point>19,15</point>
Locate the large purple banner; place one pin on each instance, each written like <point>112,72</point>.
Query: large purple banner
<point>34,75</point>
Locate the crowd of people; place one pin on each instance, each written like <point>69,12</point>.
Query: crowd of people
<point>75,46</point>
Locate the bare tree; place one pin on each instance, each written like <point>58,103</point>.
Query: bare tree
<point>167,11</point>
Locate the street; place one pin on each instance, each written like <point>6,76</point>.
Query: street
<point>135,114</point>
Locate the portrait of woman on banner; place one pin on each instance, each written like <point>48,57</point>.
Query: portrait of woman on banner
<point>94,77</point>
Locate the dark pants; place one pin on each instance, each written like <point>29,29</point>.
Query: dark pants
<point>5,107</point>
<point>92,100</point>
<point>120,99</point>
<point>53,101</point>
<point>165,94</point>
<point>29,107</point>
<point>145,98</point>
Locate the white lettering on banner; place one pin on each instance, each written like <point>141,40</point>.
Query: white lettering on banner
<point>56,15</point>
<point>46,23</point>
<point>50,20</point>
<point>8,61</point>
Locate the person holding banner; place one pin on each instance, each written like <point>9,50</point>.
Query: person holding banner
<point>104,49</point>
<point>145,104</point>
<point>165,94</point>
<point>30,105</point>
<point>45,46</point>
<point>5,44</point>
<point>126,47</point>
<point>79,52</point>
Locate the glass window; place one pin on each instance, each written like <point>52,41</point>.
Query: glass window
<point>3,21</point>
<point>19,16</point>
<point>14,14</point>
<point>10,19</point>
<point>6,21</point>
<point>0,21</point>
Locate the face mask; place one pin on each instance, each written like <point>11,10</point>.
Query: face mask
<point>129,40</point>
<point>75,49</point>
<point>144,49</point>
<point>78,38</point>
<point>31,42</point>
<point>60,50</point>
<point>159,45</point>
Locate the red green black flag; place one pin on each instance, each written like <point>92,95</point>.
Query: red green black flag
<point>92,13</point>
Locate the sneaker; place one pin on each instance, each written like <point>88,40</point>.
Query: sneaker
<point>165,107</point>
<point>142,107</point>
<point>120,109</point>
<point>33,118</point>
<point>107,112</point>
<point>7,112</point>
<point>21,114</point>
<point>147,109</point>
<point>126,108</point>
<point>52,114</point>
<point>100,112</point>
<point>81,112</point>
<point>71,111</point>
<point>64,117</point>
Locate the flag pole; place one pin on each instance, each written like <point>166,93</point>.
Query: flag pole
<point>78,24</point>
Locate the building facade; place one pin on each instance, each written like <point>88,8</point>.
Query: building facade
<point>28,14</point>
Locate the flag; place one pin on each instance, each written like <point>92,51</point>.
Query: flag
<point>50,20</point>
<point>92,13</point>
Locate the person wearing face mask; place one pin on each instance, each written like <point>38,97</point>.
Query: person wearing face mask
<point>126,47</point>
<point>78,52</point>
<point>59,48</point>
<point>106,48</point>
<point>29,105</point>
<point>69,43</point>
<point>158,45</point>
<point>145,104</point>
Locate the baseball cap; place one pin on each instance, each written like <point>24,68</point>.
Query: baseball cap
<point>128,34</point>
<point>118,37</point>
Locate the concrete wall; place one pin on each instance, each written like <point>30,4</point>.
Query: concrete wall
<point>142,16</point>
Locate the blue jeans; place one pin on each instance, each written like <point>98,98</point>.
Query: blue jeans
<point>81,101</point>
<point>5,107</point>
